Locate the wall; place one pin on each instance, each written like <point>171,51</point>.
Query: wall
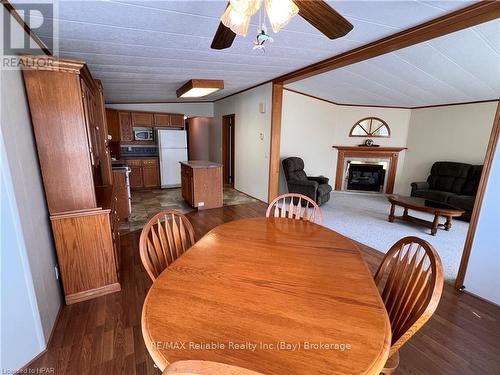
<point>450,133</point>
<point>199,137</point>
<point>28,204</point>
<point>483,273</point>
<point>189,109</point>
<point>252,134</point>
<point>310,127</point>
<point>21,328</point>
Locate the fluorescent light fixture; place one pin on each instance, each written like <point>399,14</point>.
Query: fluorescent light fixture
<point>197,88</point>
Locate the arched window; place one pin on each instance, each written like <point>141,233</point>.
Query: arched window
<point>370,127</point>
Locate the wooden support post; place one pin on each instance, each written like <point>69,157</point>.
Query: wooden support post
<point>274,154</point>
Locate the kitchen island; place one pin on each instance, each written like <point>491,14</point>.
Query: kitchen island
<point>202,183</point>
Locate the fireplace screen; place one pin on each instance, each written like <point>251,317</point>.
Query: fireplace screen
<point>366,177</point>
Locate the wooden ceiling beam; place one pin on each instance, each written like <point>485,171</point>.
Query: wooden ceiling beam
<point>472,15</point>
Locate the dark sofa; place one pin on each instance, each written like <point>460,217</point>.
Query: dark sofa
<point>316,188</point>
<point>451,183</point>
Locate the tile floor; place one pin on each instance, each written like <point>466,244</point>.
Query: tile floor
<point>148,202</point>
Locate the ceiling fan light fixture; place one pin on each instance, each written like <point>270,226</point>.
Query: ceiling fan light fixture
<point>246,7</point>
<point>197,88</point>
<point>236,21</point>
<point>280,12</point>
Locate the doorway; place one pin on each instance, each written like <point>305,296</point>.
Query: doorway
<point>228,128</point>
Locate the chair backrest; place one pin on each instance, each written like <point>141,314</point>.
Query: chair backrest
<point>411,280</point>
<point>205,368</point>
<point>164,238</point>
<point>293,168</point>
<point>295,206</point>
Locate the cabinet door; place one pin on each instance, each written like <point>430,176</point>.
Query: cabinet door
<point>125,126</point>
<point>177,121</point>
<point>161,119</point>
<point>121,194</point>
<point>136,180</point>
<point>142,119</point>
<point>113,124</point>
<point>89,109</point>
<point>102,130</point>
<point>187,184</point>
<point>150,173</point>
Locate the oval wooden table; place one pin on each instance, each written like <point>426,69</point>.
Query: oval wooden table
<point>277,296</point>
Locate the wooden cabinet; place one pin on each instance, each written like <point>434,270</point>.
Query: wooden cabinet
<point>150,173</point>
<point>145,173</point>
<point>121,194</point>
<point>135,176</point>
<point>202,184</point>
<point>126,131</point>
<point>67,112</point>
<point>161,119</point>
<point>113,124</point>
<point>142,119</point>
<point>187,184</point>
<point>177,121</point>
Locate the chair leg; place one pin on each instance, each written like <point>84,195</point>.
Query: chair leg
<point>391,365</point>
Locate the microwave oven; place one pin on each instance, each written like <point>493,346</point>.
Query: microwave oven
<point>143,134</point>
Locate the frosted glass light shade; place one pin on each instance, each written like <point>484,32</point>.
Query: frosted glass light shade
<point>280,12</point>
<point>246,7</point>
<point>236,21</point>
<point>198,92</point>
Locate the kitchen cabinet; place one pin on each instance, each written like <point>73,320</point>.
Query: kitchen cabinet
<point>67,113</point>
<point>121,194</point>
<point>161,119</point>
<point>150,173</point>
<point>113,124</point>
<point>177,121</point>
<point>125,121</point>
<point>145,173</point>
<point>202,184</point>
<point>142,119</point>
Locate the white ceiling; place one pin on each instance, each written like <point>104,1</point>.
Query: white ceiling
<point>456,68</point>
<point>144,50</point>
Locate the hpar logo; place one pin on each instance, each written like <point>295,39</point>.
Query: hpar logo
<point>39,17</point>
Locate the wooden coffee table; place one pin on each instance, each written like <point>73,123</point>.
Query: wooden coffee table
<point>437,209</point>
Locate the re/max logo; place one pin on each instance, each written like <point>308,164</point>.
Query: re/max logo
<point>168,345</point>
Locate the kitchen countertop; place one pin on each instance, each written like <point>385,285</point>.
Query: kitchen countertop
<point>201,164</point>
<point>125,158</point>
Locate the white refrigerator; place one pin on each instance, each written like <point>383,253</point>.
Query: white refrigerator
<point>172,146</point>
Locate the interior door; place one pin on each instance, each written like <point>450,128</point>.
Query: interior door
<point>228,136</point>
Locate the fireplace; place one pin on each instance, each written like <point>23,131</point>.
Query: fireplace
<point>387,157</point>
<point>366,177</point>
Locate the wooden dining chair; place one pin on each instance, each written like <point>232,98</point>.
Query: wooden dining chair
<point>411,281</point>
<point>205,368</point>
<point>295,206</point>
<point>164,238</point>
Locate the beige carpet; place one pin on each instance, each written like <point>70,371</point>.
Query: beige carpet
<point>363,217</point>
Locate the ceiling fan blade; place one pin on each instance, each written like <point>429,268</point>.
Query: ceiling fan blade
<point>223,37</point>
<point>323,17</point>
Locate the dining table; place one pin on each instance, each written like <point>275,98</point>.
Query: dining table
<point>272,295</point>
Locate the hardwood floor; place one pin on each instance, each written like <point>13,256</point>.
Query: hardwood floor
<point>103,336</point>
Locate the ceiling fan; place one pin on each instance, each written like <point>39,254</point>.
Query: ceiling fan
<point>318,13</point>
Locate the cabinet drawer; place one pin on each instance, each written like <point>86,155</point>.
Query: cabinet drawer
<point>136,163</point>
<point>150,162</point>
